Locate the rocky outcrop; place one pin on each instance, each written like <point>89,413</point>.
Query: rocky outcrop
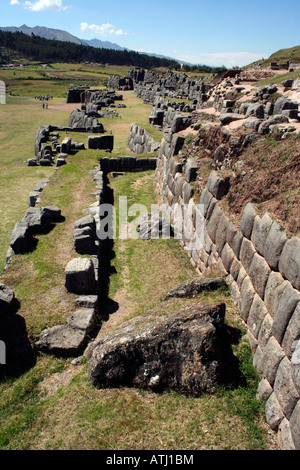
<point>184,351</point>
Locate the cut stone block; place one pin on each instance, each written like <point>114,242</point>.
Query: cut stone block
<point>80,276</point>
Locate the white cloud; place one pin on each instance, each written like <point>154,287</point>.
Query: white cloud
<point>103,30</point>
<point>14,2</point>
<point>41,5</point>
<point>229,59</point>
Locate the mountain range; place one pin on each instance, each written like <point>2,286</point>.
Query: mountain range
<point>60,35</point>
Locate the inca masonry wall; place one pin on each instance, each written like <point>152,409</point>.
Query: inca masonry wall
<point>262,267</point>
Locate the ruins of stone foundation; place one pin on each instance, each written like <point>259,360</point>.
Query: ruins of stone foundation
<point>258,261</point>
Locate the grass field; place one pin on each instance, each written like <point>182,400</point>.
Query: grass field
<point>53,405</point>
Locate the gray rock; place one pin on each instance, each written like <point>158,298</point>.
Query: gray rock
<point>83,320</point>
<point>259,272</point>
<point>255,109</point>
<point>147,353</point>
<point>227,118</point>
<point>284,388</point>
<point>217,185</point>
<point>246,298</point>
<point>274,414</point>
<point>86,221</point>
<point>21,240</point>
<point>274,289</point>
<point>264,390</point>
<point>256,315</point>
<point>61,340</point>
<point>105,142</point>
<point>7,299</point>
<point>247,252</point>
<point>80,276</point>
<point>289,262</point>
<point>247,220</point>
<point>285,438</point>
<point>274,245</point>
<point>294,425</point>
<point>292,333</point>
<point>260,230</point>
<point>283,104</point>
<point>286,306</point>
<point>196,286</point>
<point>191,170</point>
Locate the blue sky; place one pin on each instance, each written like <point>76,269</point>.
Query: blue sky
<point>215,32</point>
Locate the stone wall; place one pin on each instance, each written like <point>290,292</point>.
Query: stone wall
<point>140,141</point>
<point>262,267</point>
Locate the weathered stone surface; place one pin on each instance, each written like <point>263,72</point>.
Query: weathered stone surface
<point>227,256</point>
<point>265,332</point>
<point>274,245</point>
<point>83,320</point>
<point>80,276</point>
<point>246,298</point>
<point>102,142</point>
<point>273,291</point>
<point>227,118</point>
<point>21,240</point>
<point>289,262</point>
<point>259,272</point>
<point>292,333</point>
<point>191,170</point>
<point>195,286</point>
<point>294,426</point>
<point>286,306</point>
<point>61,340</point>
<point>213,222</point>
<point>274,414</point>
<point>217,185</point>
<point>272,355</point>
<point>264,390</point>
<point>84,240</point>
<point>87,301</point>
<point>221,233</point>
<point>284,388</point>
<point>256,315</point>
<point>247,253</point>
<point>7,299</point>
<point>247,220</point>
<point>285,438</point>
<point>260,232</point>
<point>86,221</point>
<point>147,353</point>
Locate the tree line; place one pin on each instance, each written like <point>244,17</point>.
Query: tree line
<point>40,49</point>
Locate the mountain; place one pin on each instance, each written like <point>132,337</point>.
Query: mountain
<point>60,35</point>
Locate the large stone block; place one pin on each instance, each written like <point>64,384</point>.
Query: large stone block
<point>62,341</point>
<point>292,333</point>
<point>80,276</point>
<point>259,272</point>
<point>289,262</point>
<point>147,353</point>
<point>101,142</point>
<point>273,291</point>
<point>274,414</point>
<point>274,245</point>
<point>246,298</point>
<point>260,232</point>
<point>247,253</point>
<point>272,356</point>
<point>286,306</point>
<point>284,388</point>
<point>294,425</point>
<point>247,220</point>
<point>256,315</point>
<point>217,185</point>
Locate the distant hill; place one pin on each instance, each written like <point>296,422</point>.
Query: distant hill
<point>60,35</point>
<point>291,54</point>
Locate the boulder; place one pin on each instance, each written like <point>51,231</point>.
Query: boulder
<point>21,240</point>
<point>62,340</point>
<point>7,299</point>
<point>217,185</point>
<point>183,351</point>
<point>80,276</point>
<point>195,287</point>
